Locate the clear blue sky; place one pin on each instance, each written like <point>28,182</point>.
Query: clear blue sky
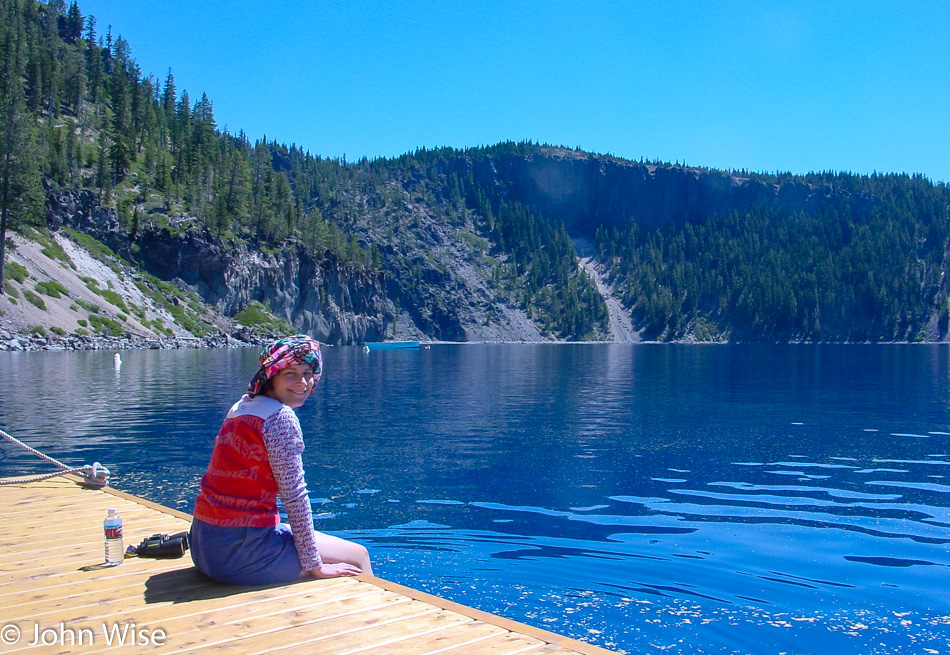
<point>763,85</point>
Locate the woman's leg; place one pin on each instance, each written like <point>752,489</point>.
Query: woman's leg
<point>334,550</point>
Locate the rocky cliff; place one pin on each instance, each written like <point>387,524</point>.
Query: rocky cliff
<point>322,298</point>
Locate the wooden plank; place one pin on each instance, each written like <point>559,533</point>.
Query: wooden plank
<point>178,586</point>
<point>468,634</point>
<point>508,624</point>
<point>273,600</point>
<point>30,506</point>
<point>91,511</point>
<point>48,552</point>
<point>228,619</point>
<point>264,633</point>
<point>73,598</point>
<point>352,634</point>
<point>90,529</point>
<point>508,643</point>
<point>58,546</point>
<point>32,578</point>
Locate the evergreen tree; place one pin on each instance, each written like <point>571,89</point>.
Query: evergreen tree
<point>72,31</point>
<point>21,191</point>
<point>95,70</point>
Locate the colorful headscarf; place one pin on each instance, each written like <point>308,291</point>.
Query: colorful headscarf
<point>289,351</point>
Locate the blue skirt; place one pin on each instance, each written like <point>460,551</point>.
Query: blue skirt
<point>245,556</point>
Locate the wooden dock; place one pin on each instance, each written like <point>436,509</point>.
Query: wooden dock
<point>56,597</point>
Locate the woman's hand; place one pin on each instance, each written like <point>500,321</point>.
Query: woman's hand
<point>335,571</point>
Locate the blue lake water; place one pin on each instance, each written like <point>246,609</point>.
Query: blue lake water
<point>645,498</point>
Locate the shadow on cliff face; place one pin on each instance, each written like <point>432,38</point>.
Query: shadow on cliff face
<point>587,191</point>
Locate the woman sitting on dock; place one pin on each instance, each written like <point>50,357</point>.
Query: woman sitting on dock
<point>236,536</point>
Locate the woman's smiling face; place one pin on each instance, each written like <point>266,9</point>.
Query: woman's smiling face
<point>292,385</point>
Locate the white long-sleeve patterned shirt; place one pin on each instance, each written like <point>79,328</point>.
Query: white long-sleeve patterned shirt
<point>283,439</point>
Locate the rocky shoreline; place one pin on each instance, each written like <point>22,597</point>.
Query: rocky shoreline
<point>12,340</point>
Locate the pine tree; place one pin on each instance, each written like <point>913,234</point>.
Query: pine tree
<point>95,71</point>
<point>21,190</point>
<point>73,23</point>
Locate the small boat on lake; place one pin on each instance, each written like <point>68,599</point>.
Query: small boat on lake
<point>390,345</point>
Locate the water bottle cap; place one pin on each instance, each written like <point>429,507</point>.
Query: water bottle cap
<point>113,510</point>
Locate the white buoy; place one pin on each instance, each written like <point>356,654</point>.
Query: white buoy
<point>117,360</point>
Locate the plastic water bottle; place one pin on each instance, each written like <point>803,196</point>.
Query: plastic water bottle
<point>112,527</point>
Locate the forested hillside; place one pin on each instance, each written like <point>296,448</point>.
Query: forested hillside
<point>864,260</point>
<point>446,244</point>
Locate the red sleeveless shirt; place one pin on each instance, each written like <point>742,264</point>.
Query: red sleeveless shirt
<point>239,489</point>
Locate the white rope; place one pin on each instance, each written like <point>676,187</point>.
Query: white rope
<point>94,475</point>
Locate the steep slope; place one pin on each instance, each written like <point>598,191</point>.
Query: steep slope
<point>60,295</point>
<point>621,328</point>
